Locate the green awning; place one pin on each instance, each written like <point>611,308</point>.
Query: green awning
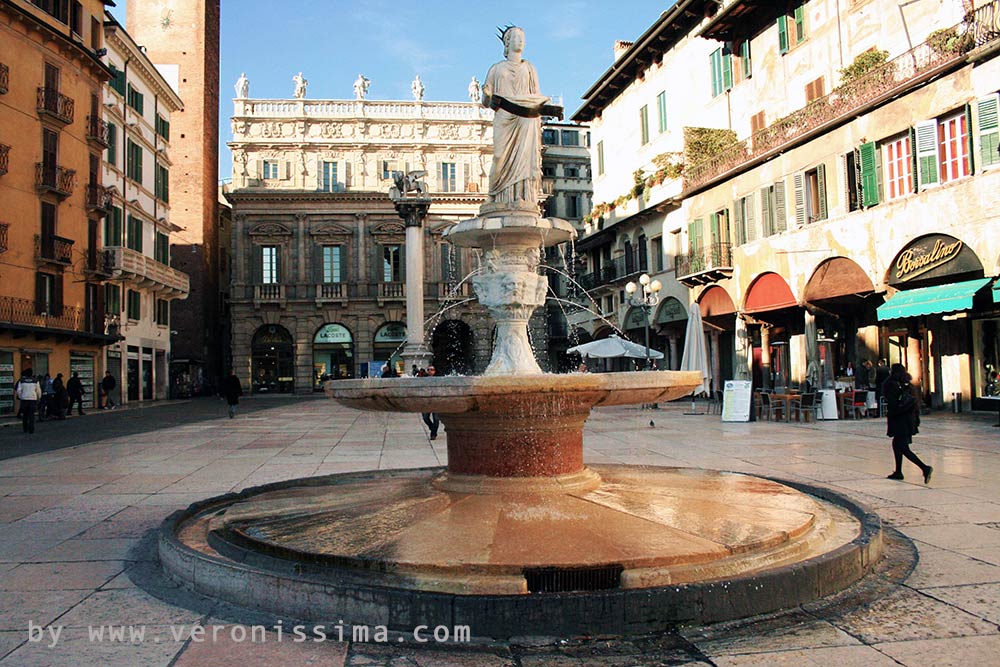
<point>996,292</point>
<point>926,300</point>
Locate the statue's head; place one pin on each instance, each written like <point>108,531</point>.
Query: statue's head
<point>513,39</point>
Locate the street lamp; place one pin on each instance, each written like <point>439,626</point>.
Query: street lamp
<point>647,300</point>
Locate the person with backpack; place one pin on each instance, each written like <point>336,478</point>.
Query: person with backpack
<point>903,420</point>
<point>29,392</point>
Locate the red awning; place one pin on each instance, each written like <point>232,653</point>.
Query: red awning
<point>715,301</point>
<point>769,292</point>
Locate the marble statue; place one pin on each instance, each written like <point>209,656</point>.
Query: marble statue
<point>418,89</point>
<point>475,92</point>
<point>300,86</point>
<point>242,87</point>
<point>361,87</point>
<point>511,89</point>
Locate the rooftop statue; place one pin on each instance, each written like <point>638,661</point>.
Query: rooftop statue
<point>361,87</point>
<point>242,87</point>
<point>300,86</point>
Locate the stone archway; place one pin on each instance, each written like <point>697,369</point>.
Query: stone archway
<point>272,360</point>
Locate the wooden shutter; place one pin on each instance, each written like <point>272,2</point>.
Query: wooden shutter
<point>696,240</point>
<point>869,174</point>
<point>319,174</point>
<point>715,64</point>
<point>798,180</point>
<point>347,174</point>
<point>747,66</point>
<point>318,264</point>
<point>279,252</point>
<point>766,215</point>
<point>727,67</point>
<point>782,34</point>
<point>288,169</point>
<point>821,186</point>
<point>57,299</point>
<point>988,129</point>
<point>257,265</point>
<point>738,221</point>
<point>780,214</point>
<point>749,221</point>
<point>926,151</point>
<point>39,293</point>
<point>800,23</point>
<point>971,141</point>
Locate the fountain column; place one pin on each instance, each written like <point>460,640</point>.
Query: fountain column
<point>413,211</point>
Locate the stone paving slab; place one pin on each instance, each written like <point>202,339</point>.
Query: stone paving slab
<point>74,520</point>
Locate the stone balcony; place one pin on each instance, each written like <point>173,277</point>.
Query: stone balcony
<point>351,109</point>
<point>145,271</point>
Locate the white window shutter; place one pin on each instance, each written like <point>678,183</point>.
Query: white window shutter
<point>767,216</point>
<point>822,214</point>
<point>780,213</point>
<point>750,222</point>
<point>927,152</point>
<point>800,199</point>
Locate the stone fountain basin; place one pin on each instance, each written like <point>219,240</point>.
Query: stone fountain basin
<point>513,228</point>
<point>460,394</point>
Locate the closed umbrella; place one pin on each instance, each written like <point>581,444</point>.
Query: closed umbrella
<point>613,347</point>
<point>812,351</point>
<point>695,356</point>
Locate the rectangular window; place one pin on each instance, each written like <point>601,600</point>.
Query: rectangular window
<point>746,66</point>
<point>331,264</point>
<point>571,171</point>
<point>448,176</point>
<point>644,125</point>
<point>721,65</point>
<point>799,16</point>
<point>744,219</point>
<point>656,250</point>
<point>757,122</point>
<point>113,227</point>
<point>852,178</point>
<point>773,209</point>
<point>76,18</point>
<point>271,169</point>
<point>112,299</point>
<point>392,264</point>
<point>133,161</point>
<point>118,82</point>
<point>573,206</point>
<point>953,148</point>
<point>163,312</point>
<point>810,195</point>
<point>269,265</point>
<point>163,127</point>
<point>898,167</point>
<point>327,175</point>
<point>133,233</point>
<point>388,166</point>
<point>48,297</point>
<point>570,138</point>
<point>133,305</point>
<point>112,144</point>
<point>815,90</point>
<point>782,34</point>
<point>162,248</point>
<point>162,183</point>
<point>600,158</point>
<point>661,110</point>
<point>135,99</point>
<point>550,137</point>
<point>988,125</point>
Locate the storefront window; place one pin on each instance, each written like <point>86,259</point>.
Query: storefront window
<point>986,343</point>
<point>272,361</point>
<point>333,354</point>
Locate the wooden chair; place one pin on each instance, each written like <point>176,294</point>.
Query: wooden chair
<point>758,405</point>
<point>768,407</point>
<point>806,404</point>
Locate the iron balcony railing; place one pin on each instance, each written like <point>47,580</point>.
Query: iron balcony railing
<point>844,102</point>
<point>616,270</point>
<point>97,131</point>
<point>714,256</point>
<point>52,248</point>
<point>4,159</point>
<point>28,312</point>
<point>55,104</point>
<point>98,198</point>
<point>54,178</point>
<point>99,262</point>
<point>4,79</point>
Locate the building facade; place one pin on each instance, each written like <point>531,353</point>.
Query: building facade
<point>319,271</point>
<point>835,185</point>
<point>52,317</point>
<point>182,39</point>
<point>138,104</point>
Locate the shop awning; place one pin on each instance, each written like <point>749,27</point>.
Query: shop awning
<point>927,300</point>
<point>996,292</point>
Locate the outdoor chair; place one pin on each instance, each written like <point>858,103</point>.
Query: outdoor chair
<point>854,404</point>
<point>768,407</point>
<point>806,404</point>
<point>715,403</point>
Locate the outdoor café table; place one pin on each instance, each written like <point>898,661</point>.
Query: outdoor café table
<point>784,402</point>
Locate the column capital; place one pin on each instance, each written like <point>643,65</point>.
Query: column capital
<point>413,210</point>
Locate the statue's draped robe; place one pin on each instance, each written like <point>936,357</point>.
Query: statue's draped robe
<point>517,155</point>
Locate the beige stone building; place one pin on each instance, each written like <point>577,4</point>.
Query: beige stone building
<point>835,193</point>
<point>318,249</point>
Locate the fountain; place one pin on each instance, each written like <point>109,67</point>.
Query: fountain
<point>517,535</point>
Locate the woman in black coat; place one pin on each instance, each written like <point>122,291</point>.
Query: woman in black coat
<point>232,390</point>
<point>903,418</point>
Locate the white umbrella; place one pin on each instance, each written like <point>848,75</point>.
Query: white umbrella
<point>613,347</point>
<point>695,349</point>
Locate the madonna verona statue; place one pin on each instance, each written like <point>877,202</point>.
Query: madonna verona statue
<point>511,89</point>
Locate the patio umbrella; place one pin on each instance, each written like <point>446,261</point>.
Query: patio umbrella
<point>695,356</point>
<point>812,350</point>
<point>613,347</point>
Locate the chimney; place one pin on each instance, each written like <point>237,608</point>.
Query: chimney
<point>621,46</point>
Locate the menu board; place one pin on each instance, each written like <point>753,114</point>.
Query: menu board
<point>736,401</point>
<point>6,383</point>
<point>85,367</point>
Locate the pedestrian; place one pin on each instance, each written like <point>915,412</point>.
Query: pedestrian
<point>75,390</point>
<point>881,375</point>
<point>903,420</point>
<point>866,378</point>
<point>389,371</point>
<point>60,398</point>
<point>431,418</point>
<point>108,384</point>
<point>29,392</point>
<point>48,396</point>
<point>232,390</point>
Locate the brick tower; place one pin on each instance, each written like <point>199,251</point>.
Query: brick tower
<point>182,38</point>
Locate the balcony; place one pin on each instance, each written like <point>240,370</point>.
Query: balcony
<point>144,271</point>
<point>454,292</point>
<point>54,104</point>
<point>326,292</point>
<point>98,263</point>
<point>4,159</point>
<point>269,293</point>
<point>3,236</point>
<point>618,269</point>
<point>393,291</point>
<point>52,249</point>
<point>705,265</point>
<point>54,178</point>
<point>845,102</point>
<point>97,131</point>
<point>68,322</point>
<point>98,198</point>
<point>4,79</point>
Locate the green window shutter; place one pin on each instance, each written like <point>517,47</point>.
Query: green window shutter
<point>661,110</point>
<point>780,215</point>
<point>782,34</point>
<point>926,152</point>
<point>112,144</point>
<point>766,215</point>
<point>745,58</point>
<point>988,129</point>
<point>800,198</point>
<point>823,213</point>
<point>715,64</point>
<point>869,174</point>
<point>713,227</point>
<point>727,68</point>
<point>644,124</point>
<point>738,222</point>
<point>696,240</point>
<point>749,221</point>
<point>970,138</point>
<point>800,23</point>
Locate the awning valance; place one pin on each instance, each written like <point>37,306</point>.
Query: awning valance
<point>996,292</point>
<point>927,300</point>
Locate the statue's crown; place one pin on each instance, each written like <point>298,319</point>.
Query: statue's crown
<point>502,32</point>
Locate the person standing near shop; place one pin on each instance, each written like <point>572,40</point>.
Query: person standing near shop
<point>108,384</point>
<point>29,392</point>
<point>903,420</point>
<point>232,390</point>
<point>59,397</point>
<point>75,390</point>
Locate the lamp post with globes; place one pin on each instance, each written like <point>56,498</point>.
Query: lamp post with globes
<point>647,300</point>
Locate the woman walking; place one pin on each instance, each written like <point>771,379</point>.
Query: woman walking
<point>903,420</point>
<point>232,390</point>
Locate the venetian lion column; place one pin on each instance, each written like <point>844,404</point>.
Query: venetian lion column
<point>413,211</point>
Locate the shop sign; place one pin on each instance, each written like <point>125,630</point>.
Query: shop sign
<point>333,333</point>
<point>671,310</point>
<point>636,318</point>
<point>933,256</point>
<point>272,335</point>
<point>394,332</point>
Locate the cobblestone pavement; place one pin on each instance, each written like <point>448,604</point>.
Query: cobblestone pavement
<point>76,551</point>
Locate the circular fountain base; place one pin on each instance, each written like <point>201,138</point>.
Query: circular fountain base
<point>617,549</point>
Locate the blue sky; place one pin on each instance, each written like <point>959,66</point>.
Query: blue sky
<point>445,42</point>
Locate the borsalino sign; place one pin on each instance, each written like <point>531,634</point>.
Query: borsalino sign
<point>933,256</point>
